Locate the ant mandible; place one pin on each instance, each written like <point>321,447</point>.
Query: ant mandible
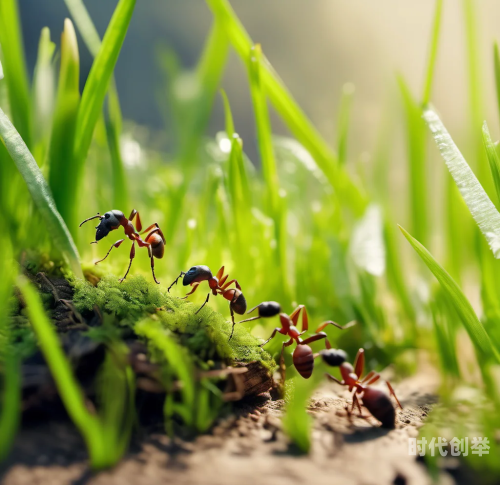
<point>154,241</point>
<point>218,286</point>
<point>376,401</point>
<point>303,357</point>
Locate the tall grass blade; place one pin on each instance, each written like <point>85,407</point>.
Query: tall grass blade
<point>114,117</point>
<point>85,26</point>
<point>343,121</point>
<point>15,72</point>
<point>480,206</point>
<point>64,124</point>
<point>493,159</point>
<point>40,193</point>
<point>436,28</point>
<point>417,168</point>
<point>461,304</point>
<point>43,95</point>
<point>95,89</point>
<point>68,387</point>
<point>293,116</point>
<point>10,372</point>
<point>496,62</point>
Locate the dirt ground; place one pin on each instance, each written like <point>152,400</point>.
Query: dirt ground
<point>246,448</point>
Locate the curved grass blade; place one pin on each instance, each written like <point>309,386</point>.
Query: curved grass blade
<point>343,121</point>
<point>16,75</point>
<point>496,59</point>
<point>492,158</point>
<point>114,116</point>
<point>436,27</point>
<point>293,116</point>
<point>462,305</point>
<point>86,27</point>
<point>64,124</point>
<point>97,85</point>
<point>40,193</point>
<point>10,372</point>
<point>480,206</point>
<point>68,387</point>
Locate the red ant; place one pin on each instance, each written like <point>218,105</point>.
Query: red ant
<point>303,357</point>
<point>154,241</point>
<point>218,286</point>
<point>376,401</point>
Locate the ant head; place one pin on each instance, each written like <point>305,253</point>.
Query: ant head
<point>333,357</point>
<point>197,274</point>
<point>109,221</point>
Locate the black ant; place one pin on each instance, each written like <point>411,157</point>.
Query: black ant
<point>218,286</point>
<point>154,241</point>
<point>303,357</point>
<point>376,401</point>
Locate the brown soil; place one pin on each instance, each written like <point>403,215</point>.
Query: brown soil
<point>246,448</point>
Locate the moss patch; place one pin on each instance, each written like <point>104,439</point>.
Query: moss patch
<point>205,334</point>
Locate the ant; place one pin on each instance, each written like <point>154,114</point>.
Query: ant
<point>218,286</point>
<point>376,401</point>
<point>154,241</point>
<point>303,357</point>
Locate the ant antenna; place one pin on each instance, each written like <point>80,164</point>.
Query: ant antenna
<point>90,218</point>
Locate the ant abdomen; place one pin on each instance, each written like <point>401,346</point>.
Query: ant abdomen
<point>303,360</point>
<point>239,304</point>
<point>380,406</point>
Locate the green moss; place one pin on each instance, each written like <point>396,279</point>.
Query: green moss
<point>205,334</point>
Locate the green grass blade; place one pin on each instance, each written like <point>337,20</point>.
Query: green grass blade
<point>461,304</point>
<point>114,120</point>
<point>10,372</point>
<point>417,163</point>
<point>343,121</point>
<point>293,116</point>
<point>264,130</point>
<point>40,193</point>
<point>480,206</point>
<point>96,87</point>
<point>492,158</point>
<point>68,387</point>
<point>61,170</point>
<point>426,97</point>
<point>85,25</point>
<point>15,72</point>
<point>43,94</point>
<point>113,131</point>
<point>496,60</point>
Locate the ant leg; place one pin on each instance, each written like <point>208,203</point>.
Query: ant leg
<point>220,273</point>
<point>370,378</point>
<point>282,359</point>
<point>232,318</point>
<point>157,229</point>
<point>153,269</point>
<point>335,324</point>
<point>132,256</point>
<point>314,338</point>
<point>115,245</point>
<point>175,281</point>
<point>206,301</point>
<point>223,280</point>
<point>359,363</point>
<point>195,287</point>
<point>334,379</point>
<point>275,331</point>
<point>391,390</point>
<point>138,224</point>
<point>294,317</point>
<point>229,282</point>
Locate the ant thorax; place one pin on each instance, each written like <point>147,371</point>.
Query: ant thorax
<point>293,332</point>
